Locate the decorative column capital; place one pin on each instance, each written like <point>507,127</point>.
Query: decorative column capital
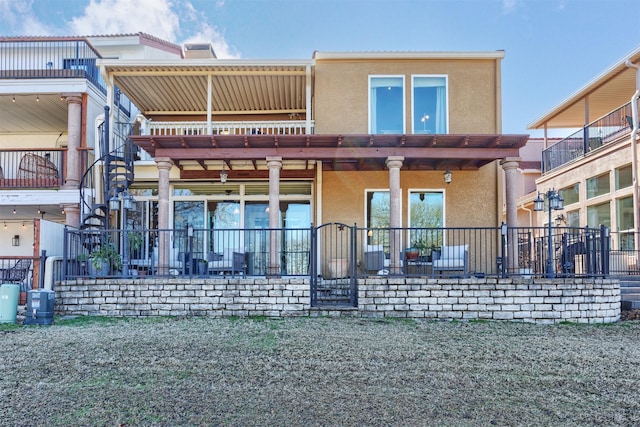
<point>72,98</point>
<point>510,163</point>
<point>164,162</point>
<point>394,162</point>
<point>274,162</point>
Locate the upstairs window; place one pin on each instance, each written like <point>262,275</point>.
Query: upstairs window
<point>624,177</point>
<point>386,105</point>
<point>430,111</point>
<point>598,185</point>
<point>571,194</point>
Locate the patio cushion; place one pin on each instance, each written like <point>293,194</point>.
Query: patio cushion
<point>226,262</point>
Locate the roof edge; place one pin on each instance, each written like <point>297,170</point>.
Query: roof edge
<point>576,96</point>
<point>498,54</point>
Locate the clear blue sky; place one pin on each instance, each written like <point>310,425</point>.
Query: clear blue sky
<point>553,47</point>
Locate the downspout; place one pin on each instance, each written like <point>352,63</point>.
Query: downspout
<point>634,154</point>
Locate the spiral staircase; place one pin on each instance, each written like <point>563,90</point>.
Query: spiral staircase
<point>117,175</point>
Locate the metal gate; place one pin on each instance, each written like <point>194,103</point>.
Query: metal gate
<point>333,267</point>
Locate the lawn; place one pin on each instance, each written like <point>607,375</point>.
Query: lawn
<point>318,372</point>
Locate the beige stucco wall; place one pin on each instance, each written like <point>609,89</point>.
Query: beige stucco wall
<point>470,199</point>
<point>341,92</point>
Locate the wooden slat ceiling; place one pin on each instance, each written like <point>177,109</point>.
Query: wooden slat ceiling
<point>158,90</point>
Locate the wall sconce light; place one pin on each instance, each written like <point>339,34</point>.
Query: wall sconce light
<point>15,241</point>
<point>448,176</point>
<point>14,210</point>
<point>37,98</point>
<point>223,174</point>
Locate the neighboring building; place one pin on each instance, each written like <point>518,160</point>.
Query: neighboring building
<point>595,167</point>
<point>353,138</point>
<point>52,99</point>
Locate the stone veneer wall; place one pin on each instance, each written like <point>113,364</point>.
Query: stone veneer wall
<point>538,300</point>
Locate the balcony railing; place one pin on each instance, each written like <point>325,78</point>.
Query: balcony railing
<point>32,168</point>
<point>281,127</point>
<point>603,131</point>
<point>55,59</point>
<point>421,252</point>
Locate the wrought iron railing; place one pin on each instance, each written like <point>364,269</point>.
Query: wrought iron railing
<point>46,58</point>
<point>603,131</point>
<point>420,252</point>
<point>32,168</point>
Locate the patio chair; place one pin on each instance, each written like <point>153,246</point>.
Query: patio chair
<point>452,258</point>
<point>374,259</point>
<point>18,273</point>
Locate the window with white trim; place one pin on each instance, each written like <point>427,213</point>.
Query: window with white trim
<point>429,103</point>
<point>386,105</point>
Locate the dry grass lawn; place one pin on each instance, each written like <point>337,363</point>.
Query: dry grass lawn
<point>318,372</point>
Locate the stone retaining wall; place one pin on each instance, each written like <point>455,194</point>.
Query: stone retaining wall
<point>538,300</point>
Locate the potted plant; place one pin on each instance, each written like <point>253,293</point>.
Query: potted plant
<point>135,240</point>
<point>105,259</point>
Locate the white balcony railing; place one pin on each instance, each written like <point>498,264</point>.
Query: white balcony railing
<point>284,127</point>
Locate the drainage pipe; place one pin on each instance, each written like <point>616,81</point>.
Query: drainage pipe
<point>634,154</point>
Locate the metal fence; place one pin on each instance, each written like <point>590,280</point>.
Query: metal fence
<point>598,133</point>
<point>346,252</point>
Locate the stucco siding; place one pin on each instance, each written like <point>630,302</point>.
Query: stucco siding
<point>470,200</point>
<point>341,93</point>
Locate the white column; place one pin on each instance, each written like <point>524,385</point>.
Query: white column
<point>72,160</point>
<point>510,166</point>
<point>74,139</point>
<point>274,164</point>
<point>394,163</point>
<point>164,237</point>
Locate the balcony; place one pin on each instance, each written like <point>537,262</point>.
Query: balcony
<point>266,127</point>
<point>605,130</point>
<point>32,168</point>
<point>46,58</point>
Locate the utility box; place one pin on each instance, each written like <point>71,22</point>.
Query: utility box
<point>9,293</point>
<point>40,306</point>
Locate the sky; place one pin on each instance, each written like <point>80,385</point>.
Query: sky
<point>552,47</point>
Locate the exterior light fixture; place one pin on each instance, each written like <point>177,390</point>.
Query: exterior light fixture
<point>13,99</point>
<point>555,203</point>
<point>15,241</point>
<point>223,174</point>
<point>448,176</point>
<point>128,202</point>
<point>114,203</point>
<point>14,210</point>
<point>37,98</point>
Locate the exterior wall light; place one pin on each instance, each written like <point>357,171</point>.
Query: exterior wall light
<point>448,176</point>
<point>15,241</point>
<point>223,175</point>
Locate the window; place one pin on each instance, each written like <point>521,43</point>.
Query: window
<point>598,215</point>
<point>430,114</point>
<point>571,194</point>
<point>598,185</point>
<point>624,213</point>
<point>573,218</point>
<point>624,177</point>
<point>426,219</point>
<point>185,214</point>
<point>386,104</point>
<point>377,214</point>
<point>624,218</point>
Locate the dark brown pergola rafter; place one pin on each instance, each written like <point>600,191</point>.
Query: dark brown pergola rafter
<point>338,152</point>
